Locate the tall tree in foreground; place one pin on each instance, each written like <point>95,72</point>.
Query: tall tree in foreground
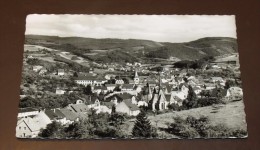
<point>142,127</point>
<point>53,130</point>
<point>191,101</point>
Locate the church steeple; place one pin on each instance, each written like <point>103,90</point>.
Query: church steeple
<point>136,75</point>
<point>136,78</point>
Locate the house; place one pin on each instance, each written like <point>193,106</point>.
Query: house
<point>110,87</point>
<point>142,103</point>
<point>183,87</point>
<point>43,71</point>
<point>138,88</point>
<point>56,115</point>
<point>110,68</point>
<point>69,115</point>
<point>125,96</point>
<point>176,100</point>
<point>78,108</point>
<point>60,72</point>
<point>93,103</point>
<point>99,81</point>
<point>127,107</point>
<point>119,81</point>
<point>85,80</point>
<point>98,89</point>
<point>114,99</point>
<point>37,68</point>
<point>109,76</point>
<point>106,107</point>
<point>26,112</point>
<point>30,127</point>
<point>59,91</point>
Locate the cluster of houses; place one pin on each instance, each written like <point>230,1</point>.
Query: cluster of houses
<point>156,92</point>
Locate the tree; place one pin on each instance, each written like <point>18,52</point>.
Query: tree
<point>142,127</point>
<point>79,129</point>
<point>116,119</point>
<point>53,130</point>
<point>28,102</point>
<point>88,90</point>
<point>113,109</point>
<point>117,88</point>
<point>126,81</point>
<point>191,100</point>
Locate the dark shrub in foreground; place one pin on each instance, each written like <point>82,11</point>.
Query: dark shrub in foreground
<point>192,127</point>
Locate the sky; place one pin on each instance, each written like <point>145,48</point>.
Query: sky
<point>160,28</point>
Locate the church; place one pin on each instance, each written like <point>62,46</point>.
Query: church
<point>158,100</point>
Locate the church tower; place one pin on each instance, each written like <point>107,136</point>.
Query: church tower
<point>136,78</point>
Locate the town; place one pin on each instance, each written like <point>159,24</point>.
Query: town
<point>60,89</point>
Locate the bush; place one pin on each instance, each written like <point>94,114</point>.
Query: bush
<point>182,129</point>
<point>238,133</point>
<point>192,127</point>
<point>174,107</point>
<point>209,101</point>
<point>218,131</point>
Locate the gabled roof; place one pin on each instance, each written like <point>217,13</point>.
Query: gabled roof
<point>108,104</point>
<point>131,106</point>
<point>54,114</point>
<point>113,97</point>
<point>69,115</point>
<point>31,123</point>
<point>79,107</point>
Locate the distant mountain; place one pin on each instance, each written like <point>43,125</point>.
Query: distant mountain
<point>91,43</point>
<point>134,49</point>
<point>210,46</point>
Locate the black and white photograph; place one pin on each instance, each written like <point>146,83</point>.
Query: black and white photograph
<point>131,77</point>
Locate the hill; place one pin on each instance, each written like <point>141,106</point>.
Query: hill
<point>95,49</point>
<point>91,43</point>
<point>211,46</point>
<point>232,115</point>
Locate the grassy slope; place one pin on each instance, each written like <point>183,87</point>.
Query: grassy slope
<point>231,114</point>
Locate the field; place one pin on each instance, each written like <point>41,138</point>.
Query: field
<point>231,114</point>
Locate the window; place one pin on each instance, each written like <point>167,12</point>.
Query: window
<point>24,128</point>
<point>19,128</point>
